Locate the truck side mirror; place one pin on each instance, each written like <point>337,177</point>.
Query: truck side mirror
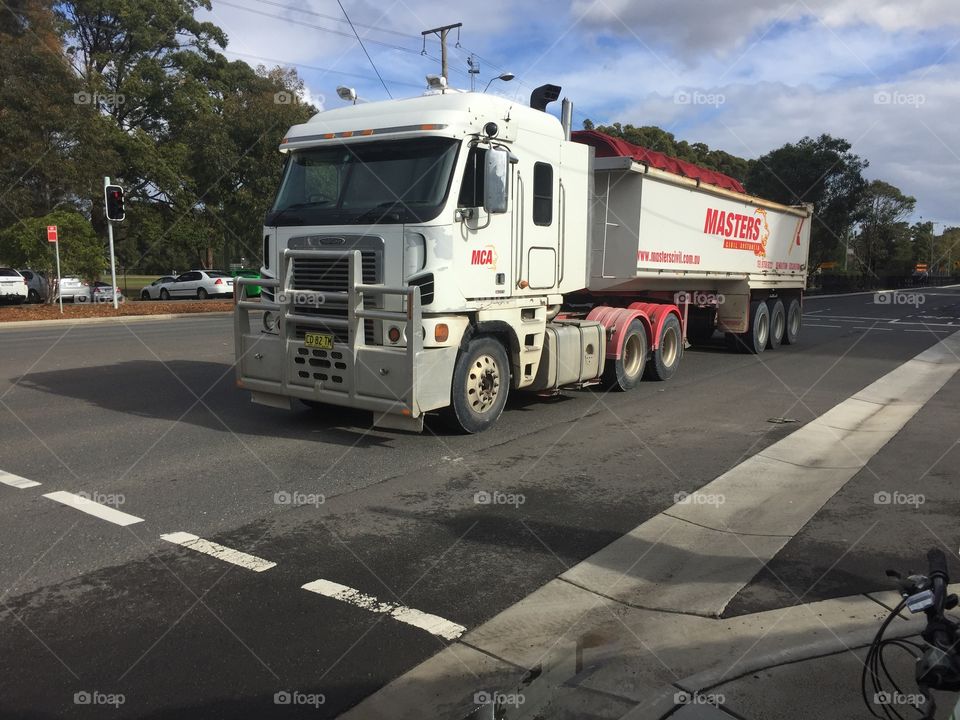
<point>496,171</point>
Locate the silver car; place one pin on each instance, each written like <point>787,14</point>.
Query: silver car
<point>75,289</point>
<point>13,286</point>
<point>37,286</point>
<point>152,291</point>
<point>199,284</point>
<point>102,292</point>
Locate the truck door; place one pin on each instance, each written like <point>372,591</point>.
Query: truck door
<point>485,238</point>
<point>538,226</point>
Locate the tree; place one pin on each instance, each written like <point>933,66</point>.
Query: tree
<point>823,172</point>
<point>81,251</point>
<point>883,242</point>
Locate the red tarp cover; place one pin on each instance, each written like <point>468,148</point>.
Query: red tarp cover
<point>607,146</point>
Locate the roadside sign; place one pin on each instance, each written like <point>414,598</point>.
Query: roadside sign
<point>51,233</point>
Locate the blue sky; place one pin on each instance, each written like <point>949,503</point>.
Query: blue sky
<point>745,76</point>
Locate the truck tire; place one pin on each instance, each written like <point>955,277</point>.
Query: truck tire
<point>665,360</point>
<point>625,372</point>
<point>794,320</point>
<point>778,325</point>
<point>481,382</point>
<point>754,340</point>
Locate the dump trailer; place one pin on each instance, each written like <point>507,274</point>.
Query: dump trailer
<point>439,252</point>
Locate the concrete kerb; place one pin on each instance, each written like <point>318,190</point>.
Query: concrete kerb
<point>14,324</point>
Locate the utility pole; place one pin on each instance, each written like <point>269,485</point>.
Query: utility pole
<point>442,33</point>
<point>473,71</point>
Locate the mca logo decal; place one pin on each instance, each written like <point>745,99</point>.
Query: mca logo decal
<point>485,257</point>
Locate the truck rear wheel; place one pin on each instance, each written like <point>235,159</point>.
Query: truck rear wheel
<point>778,324</point>
<point>754,340</point>
<point>624,372</point>
<point>791,331</point>
<point>666,358</point>
<point>481,382</point>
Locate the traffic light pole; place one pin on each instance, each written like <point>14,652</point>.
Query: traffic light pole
<point>113,261</point>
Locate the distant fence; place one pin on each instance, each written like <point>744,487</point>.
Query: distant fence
<point>851,283</point>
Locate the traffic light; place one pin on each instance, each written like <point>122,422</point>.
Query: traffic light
<point>113,199</point>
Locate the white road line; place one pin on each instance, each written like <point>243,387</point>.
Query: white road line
<point>16,481</point>
<point>93,508</point>
<point>808,324</point>
<point>873,329</point>
<point>424,621</point>
<point>221,552</point>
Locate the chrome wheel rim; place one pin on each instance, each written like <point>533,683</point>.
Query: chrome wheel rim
<point>483,384</point>
<point>795,322</point>
<point>763,329</point>
<point>632,355</point>
<point>669,345</point>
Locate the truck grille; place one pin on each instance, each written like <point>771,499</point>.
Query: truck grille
<point>332,275</point>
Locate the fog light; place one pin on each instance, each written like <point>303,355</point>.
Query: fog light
<point>269,322</point>
<point>441,332</point>
<point>393,334</point>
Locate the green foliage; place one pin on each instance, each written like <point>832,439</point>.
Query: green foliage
<point>25,244</point>
<point>884,243</point>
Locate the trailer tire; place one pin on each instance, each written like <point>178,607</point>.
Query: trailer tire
<point>481,382</point>
<point>665,360</point>
<point>754,340</point>
<point>778,325</point>
<point>623,373</point>
<point>794,320</point>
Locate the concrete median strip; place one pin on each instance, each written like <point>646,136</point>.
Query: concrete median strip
<point>425,621</point>
<point>16,481</point>
<point>221,552</point>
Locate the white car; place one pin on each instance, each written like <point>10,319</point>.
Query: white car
<point>199,284</point>
<point>152,291</point>
<point>13,286</point>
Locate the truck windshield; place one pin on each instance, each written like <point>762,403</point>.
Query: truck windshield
<point>393,181</point>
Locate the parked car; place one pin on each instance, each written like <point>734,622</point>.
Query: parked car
<point>103,292</point>
<point>152,291</point>
<point>199,284</point>
<point>37,286</point>
<point>13,286</point>
<point>74,289</point>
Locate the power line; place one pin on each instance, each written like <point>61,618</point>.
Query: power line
<point>363,47</point>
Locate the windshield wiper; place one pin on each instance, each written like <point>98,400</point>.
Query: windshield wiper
<point>381,211</point>
<point>297,206</point>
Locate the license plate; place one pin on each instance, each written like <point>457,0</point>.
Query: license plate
<point>318,340</point>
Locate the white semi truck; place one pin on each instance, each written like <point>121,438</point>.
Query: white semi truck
<point>438,252</point>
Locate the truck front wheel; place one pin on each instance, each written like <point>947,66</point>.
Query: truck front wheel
<point>481,382</point>
<point>624,372</point>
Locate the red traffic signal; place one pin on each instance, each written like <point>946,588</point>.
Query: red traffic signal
<point>113,201</point>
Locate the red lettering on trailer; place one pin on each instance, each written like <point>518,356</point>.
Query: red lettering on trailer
<point>739,232</point>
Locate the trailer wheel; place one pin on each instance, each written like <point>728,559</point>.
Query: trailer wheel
<point>665,359</point>
<point>754,340</point>
<point>793,322</point>
<point>625,372</point>
<point>778,324</point>
<point>481,381</point>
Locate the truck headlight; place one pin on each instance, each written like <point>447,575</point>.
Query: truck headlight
<point>414,253</point>
<point>270,322</point>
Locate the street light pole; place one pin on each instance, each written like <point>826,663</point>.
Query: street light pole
<point>113,261</point>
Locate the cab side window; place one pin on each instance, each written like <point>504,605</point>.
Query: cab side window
<point>542,193</point>
<point>471,191</point>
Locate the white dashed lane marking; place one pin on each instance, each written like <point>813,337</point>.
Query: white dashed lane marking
<point>90,507</point>
<point>221,552</point>
<point>425,621</point>
<point>16,481</point>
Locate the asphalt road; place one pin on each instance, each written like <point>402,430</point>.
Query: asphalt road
<point>145,417</point>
